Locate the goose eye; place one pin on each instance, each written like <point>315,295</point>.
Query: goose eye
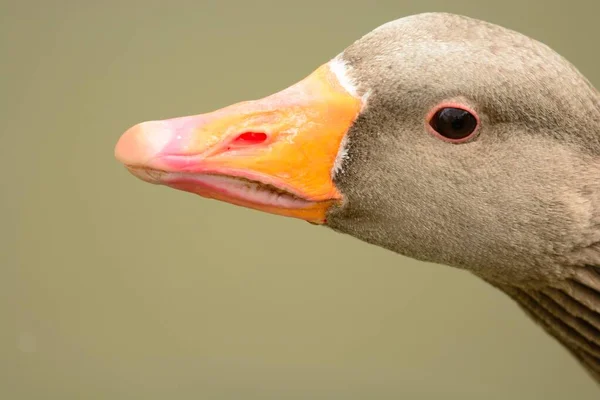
<point>454,124</point>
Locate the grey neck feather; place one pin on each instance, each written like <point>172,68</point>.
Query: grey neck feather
<point>520,206</point>
<point>569,311</point>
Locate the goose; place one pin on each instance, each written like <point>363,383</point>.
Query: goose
<point>437,136</point>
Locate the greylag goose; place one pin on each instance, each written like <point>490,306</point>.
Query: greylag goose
<point>437,136</point>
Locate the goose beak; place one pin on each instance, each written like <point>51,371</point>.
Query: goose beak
<point>275,154</point>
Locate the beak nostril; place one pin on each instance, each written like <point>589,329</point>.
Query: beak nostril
<point>250,138</point>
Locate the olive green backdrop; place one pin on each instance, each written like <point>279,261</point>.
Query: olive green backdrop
<point>112,288</point>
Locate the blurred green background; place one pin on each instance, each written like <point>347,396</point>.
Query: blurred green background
<point>115,289</point>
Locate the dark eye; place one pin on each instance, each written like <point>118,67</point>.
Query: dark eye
<point>456,124</point>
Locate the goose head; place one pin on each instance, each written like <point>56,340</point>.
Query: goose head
<point>437,136</point>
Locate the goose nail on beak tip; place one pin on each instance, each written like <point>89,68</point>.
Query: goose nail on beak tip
<point>141,142</point>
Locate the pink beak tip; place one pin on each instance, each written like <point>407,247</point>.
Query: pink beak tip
<point>142,141</point>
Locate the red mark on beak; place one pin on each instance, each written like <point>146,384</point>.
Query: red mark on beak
<point>250,138</point>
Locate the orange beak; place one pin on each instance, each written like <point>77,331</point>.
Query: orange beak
<point>276,154</point>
